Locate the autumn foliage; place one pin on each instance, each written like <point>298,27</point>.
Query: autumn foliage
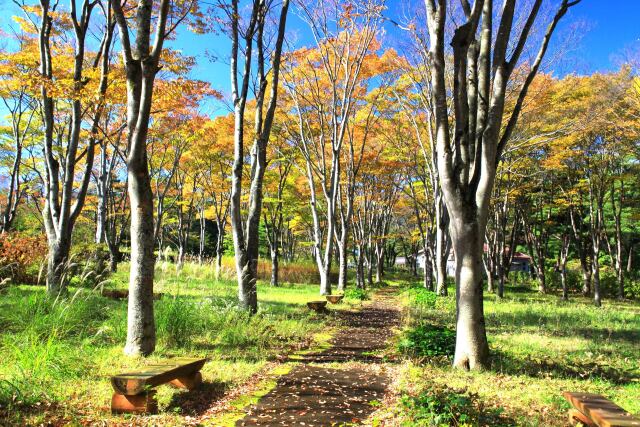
<point>21,257</point>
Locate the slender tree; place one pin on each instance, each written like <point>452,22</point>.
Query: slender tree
<point>466,163</point>
<point>246,241</point>
<point>141,57</point>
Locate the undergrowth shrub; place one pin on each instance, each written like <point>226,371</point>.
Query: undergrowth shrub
<point>178,320</point>
<point>88,265</point>
<point>79,315</point>
<point>356,293</point>
<point>428,341</point>
<point>422,298</point>
<point>21,257</point>
<point>442,406</point>
<point>41,349</point>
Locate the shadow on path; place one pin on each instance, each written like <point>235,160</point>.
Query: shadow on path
<point>317,396</point>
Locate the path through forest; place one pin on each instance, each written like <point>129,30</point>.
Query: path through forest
<point>340,385</point>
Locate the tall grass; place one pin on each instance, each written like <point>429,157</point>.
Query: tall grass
<point>37,342</point>
<point>54,349</point>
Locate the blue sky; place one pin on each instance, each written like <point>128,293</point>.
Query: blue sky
<point>605,29</point>
<point>612,26</point>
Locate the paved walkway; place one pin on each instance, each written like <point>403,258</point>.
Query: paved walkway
<point>313,394</point>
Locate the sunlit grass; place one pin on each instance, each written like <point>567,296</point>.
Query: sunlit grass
<point>57,356</point>
<point>541,346</point>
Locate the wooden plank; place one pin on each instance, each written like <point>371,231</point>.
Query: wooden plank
<point>601,410</point>
<point>133,383</point>
<point>576,417</point>
<point>144,403</point>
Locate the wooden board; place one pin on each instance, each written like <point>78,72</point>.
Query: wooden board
<point>601,410</point>
<point>153,375</point>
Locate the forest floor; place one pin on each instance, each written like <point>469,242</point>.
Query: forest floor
<point>382,362</point>
<point>342,384</point>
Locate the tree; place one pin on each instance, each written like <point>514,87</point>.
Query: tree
<point>214,157</point>
<point>19,102</point>
<point>467,162</point>
<point>274,209</point>
<point>142,62</point>
<point>66,93</point>
<point>246,242</point>
<point>323,86</point>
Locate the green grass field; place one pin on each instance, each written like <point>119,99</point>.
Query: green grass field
<point>540,347</point>
<point>57,355</point>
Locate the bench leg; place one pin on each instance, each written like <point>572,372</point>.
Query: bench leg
<point>190,382</point>
<point>576,416</point>
<point>143,403</point>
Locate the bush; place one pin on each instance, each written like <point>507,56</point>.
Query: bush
<point>422,298</point>
<point>356,293</point>
<point>428,341</point>
<point>40,352</point>
<point>88,265</point>
<point>21,257</point>
<point>441,406</point>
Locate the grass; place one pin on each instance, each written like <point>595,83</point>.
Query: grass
<point>58,354</point>
<point>540,347</point>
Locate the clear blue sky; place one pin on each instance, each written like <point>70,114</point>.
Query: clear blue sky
<point>612,26</point>
<point>605,29</point>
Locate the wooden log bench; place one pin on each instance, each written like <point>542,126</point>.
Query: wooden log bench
<point>596,410</point>
<point>133,391</point>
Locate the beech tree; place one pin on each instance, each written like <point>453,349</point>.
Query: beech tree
<point>21,105</point>
<point>141,58</point>
<point>323,85</point>
<point>482,69</point>
<point>252,35</point>
<point>71,95</point>
<point>213,155</point>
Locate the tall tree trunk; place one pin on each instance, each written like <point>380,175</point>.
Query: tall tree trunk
<point>57,262</point>
<point>360,284</point>
<point>201,236</point>
<point>343,256</point>
<point>467,158</point>
<point>274,267</point>
<point>380,264</point>
<point>246,241</point>
<point>141,330</point>
<point>219,247</point>
<point>103,194</point>
<point>141,59</point>
<point>472,349</point>
<point>442,254</point>
<point>595,266</point>
<point>564,256</point>
<point>14,192</point>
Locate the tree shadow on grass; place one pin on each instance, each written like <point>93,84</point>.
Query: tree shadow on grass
<point>606,334</point>
<point>196,402</point>
<point>569,369</point>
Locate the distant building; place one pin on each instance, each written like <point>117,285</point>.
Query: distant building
<point>521,262</point>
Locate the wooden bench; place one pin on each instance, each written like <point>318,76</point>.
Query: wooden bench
<point>133,391</point>
<point>596,410</point>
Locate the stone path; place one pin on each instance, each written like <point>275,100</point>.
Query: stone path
<point>313,394</point>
